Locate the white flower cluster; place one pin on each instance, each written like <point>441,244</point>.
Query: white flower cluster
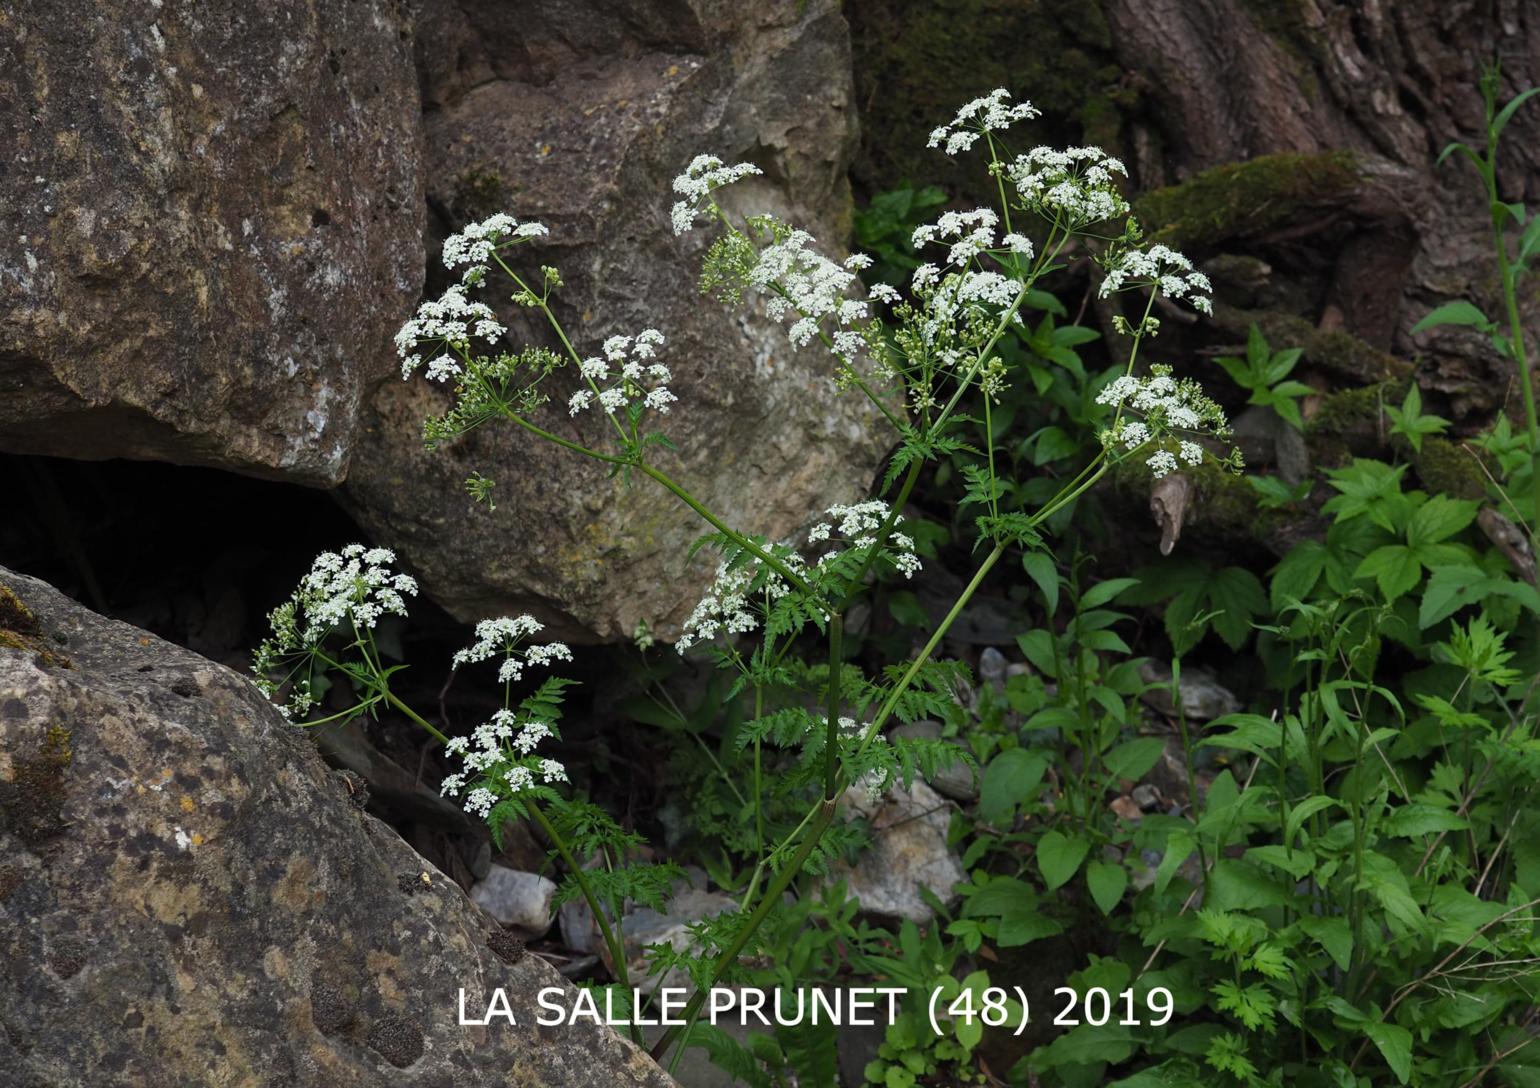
<point>475,243</point>
<point>798,280</point>
<point>635,374</point>
<point>502,636</point>
<point>857,526</point>
<point>1074,186</point>
<point>1161,268</point>
<point>725,607</point>
<point>966,233</point>
<point>992,113</point>
<point>705,174</point>
<point>448,323</point>
<point>353,587</point>
<point>499,754</point>
<point>1167,405</point>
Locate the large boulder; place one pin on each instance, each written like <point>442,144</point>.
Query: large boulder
<point>195,195</point>
<point>580,115</point>
<point>189,897</point>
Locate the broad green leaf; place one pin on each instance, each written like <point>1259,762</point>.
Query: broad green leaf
<point>1440,518</point>
<point>1395,1044</point>
<point>1041,569</point>
<point>1104,592</point>
<point>1458,312</point>
<point>1394,569</point>
<point>1301,812</point>
<point>1059,857</point>
<point>1299,572</point>
<point>1038,648</point>
<point>1107,883</point>
<point>1414,820</point>
<point>1008,780</point>
<point>1333,934</point>
<point>1133,759</point>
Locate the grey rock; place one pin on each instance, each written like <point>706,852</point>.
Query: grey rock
<point>516,898</point>
<point>644,927</point>
<point>173,851</point>
<point>908,851</point>
<point>562,112</point>
<point>196,193</point>
<point>1203,697</point>
<point>992,666</point>
<point>955,780</point>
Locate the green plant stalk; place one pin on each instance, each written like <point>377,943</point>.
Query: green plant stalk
<point>736,537</point>
<point>831,726</point>
<point>782,881</point>
<point>617,949</point>
<point>1192,781</point>
<point>390,697</point>
<point>1510,301</point>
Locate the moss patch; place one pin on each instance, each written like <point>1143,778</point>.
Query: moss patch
<point>1347,411</point>
<point>14,615</point>
<point>1443,466</point>
<point>20,630</point>
<point>916,63</point>
<point>479,194</point>
<point>32,803</point>
<point>1245,199</point>
<point>1338,353</point>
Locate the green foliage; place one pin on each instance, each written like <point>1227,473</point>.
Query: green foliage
<point>1264,374</point>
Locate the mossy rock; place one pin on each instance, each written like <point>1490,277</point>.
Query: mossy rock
<point>14,615</point>
<point>915,64</point>
<point>19,630</point>
<point>1225,504</point>
<point>1336,352</point>
<point>1245,199</point>
<point>1445,467</point>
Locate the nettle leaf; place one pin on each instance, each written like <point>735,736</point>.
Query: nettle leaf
<point>1059,856</point>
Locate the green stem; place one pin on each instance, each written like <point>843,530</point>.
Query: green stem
<point>617,949</point>
<point>390,697</point>
<point>767,902</point>
<point>930,647</point>
<point>832,725</point>
<point>736,537</point>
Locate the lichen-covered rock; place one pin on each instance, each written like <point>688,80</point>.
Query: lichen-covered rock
<point>212,223</point>
<point>565,113</point>
<point>908,852</point>
<point>189,897</point>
